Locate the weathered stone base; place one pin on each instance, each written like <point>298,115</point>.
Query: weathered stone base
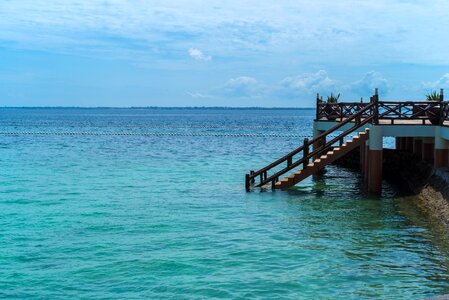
<point>434,195</point>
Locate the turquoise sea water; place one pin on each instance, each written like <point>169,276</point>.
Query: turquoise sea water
<point>151,216</point>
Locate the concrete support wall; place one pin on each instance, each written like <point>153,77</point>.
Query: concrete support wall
<point>366,164</point>
<point>362,159</point>
<point>441,158</point>
<point>319,143</point>
<point>441,154</point>
<point>375,159</point>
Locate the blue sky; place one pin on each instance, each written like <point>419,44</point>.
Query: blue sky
<point>219,53</point>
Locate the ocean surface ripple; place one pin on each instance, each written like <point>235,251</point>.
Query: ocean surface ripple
<point>166,216</point>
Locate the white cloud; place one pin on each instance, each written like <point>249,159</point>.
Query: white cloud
<point>199,55</point>
<point>199,95</point>
<point>370,81</point>
<point>290,87</point>
<point>239,87</point>
<point>317,31</point>
<point>442,83</point>
<point>318,82</point>
<point>241,81</point>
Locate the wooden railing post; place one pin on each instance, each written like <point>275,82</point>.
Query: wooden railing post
<point>376,107</point>
<point>252,177</point>
<point>247,182</point>
<point>306,153</point>
<point>340,108</point>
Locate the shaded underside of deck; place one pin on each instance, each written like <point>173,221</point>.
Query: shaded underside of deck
<point>400,128</point>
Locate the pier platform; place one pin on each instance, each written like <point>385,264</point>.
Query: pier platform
<point>421,127</point>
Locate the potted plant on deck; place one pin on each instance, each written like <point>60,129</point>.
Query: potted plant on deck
<point>433,111</point>
<point>331,109</point>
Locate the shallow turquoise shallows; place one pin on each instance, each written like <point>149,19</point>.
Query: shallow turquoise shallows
<point>150,204</point>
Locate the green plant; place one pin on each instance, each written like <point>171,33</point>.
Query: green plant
<point>433,96</point>
<point>332,98</point>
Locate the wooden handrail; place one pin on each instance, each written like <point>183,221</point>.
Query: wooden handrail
<point>318,152</point>
<point>262,173</point>
<point>321,136</point>
<point>339,137</point>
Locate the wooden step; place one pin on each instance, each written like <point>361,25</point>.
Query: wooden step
<point>323,160</point>
<point>292,176</point>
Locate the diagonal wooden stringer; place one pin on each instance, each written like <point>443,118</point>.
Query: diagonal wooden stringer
<point>326,159</point>
<point>322,150</point>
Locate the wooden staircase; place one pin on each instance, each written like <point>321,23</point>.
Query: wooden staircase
<point>319,150</point>
<point>325,159</point>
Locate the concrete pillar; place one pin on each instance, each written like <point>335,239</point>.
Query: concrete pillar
<point>366,163</point>
<point>441,150</point>
<point>319,143</point>
<point>362,159</point>
<point>417,147</point>
<point>375,159</point>
<point>428,149</point>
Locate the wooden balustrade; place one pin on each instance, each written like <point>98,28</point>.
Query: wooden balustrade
<point>427,112</point>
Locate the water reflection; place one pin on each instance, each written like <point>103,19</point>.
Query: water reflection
<point>377,242</point>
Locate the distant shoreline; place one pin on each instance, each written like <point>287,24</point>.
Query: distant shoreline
<point>160,107</point>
